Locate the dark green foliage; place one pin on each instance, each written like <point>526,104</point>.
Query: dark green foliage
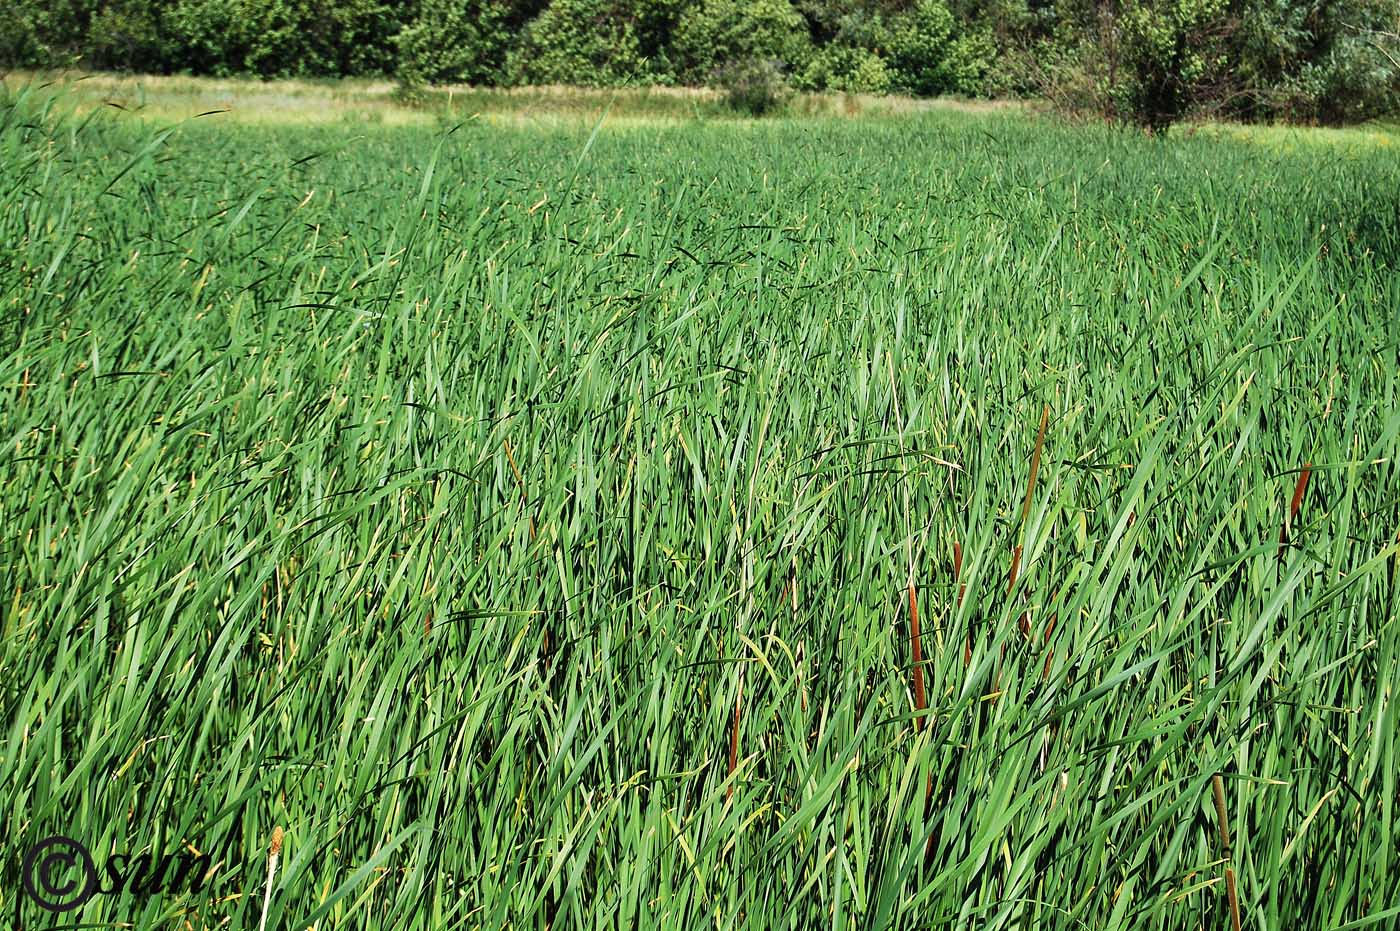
<point>1150,62</point>
<point>1172,54</point>
<point>594,43</point>
<point>224,37</point>
<point>1320,61</point>
<point>351,37</point>
<point>282,38</point>
<point>714,33</point>
<point>930,54</point>
<point>1154,62</point>
<point>852,56</point>
<point>26,35</point>
<point>754,86</point>
<point>455,41</point>
<point>845,68</point>
<point>269,38</point>
<point>128,34</point>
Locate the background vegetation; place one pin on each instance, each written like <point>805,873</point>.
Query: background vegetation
<point>1149,61</point>
<point>526,521</point>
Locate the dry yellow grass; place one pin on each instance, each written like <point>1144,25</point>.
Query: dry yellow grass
<point>366,101</point>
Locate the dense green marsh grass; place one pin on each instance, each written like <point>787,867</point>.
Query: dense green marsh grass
<point>439,493</point>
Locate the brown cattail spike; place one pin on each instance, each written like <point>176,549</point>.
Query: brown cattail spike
<point>1218,790</point>
<point>276,849</point>
<point>1049,653</point>
<point>1234,897</point>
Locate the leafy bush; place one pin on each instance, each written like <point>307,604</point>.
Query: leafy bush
<point>24,42</point>
<point>454,41</point>
<point>351,37</point>
<point>843,68</point>
<point>715,33</point>
<point>920,42</point>
<point>1312,63</point>
<point>128,35</point>
<point>222,37</point>
<point>589,42</point>
<point>928,57</point>
<point>755,86</point>
<point>1148,62</point>
<point>1174,55</point>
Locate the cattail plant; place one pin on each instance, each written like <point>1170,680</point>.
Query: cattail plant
<point>1011,577</point>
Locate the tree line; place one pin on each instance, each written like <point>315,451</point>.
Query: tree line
<point>1147,61</point>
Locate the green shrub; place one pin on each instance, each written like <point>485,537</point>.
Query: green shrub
<point>1331,64</point>
<point>23,41</point>
<point>351,37</point>
<point>1173,54</point>
<point>921,43</point>
<point>848,69</point>
<point>1147,62</point>
<point>128,35</point>
<point>227,37</point>
<point>452,41</point>
<point>593,43</point>
<point>754,86</point>
<point>922,50</point>
<point>714,33</point>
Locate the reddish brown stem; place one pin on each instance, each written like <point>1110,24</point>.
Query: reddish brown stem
<point>1233,897</point>
<point>1030,494</point>
<point>1035,464</point>
<point>1298,491</point>
<point>1049,653</point>
<point>928,806</point>
<point>1011,587</point>
<point>920,698</point>
<point>734,738</point>
<point>962,590</point>
<point>524,505</point>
